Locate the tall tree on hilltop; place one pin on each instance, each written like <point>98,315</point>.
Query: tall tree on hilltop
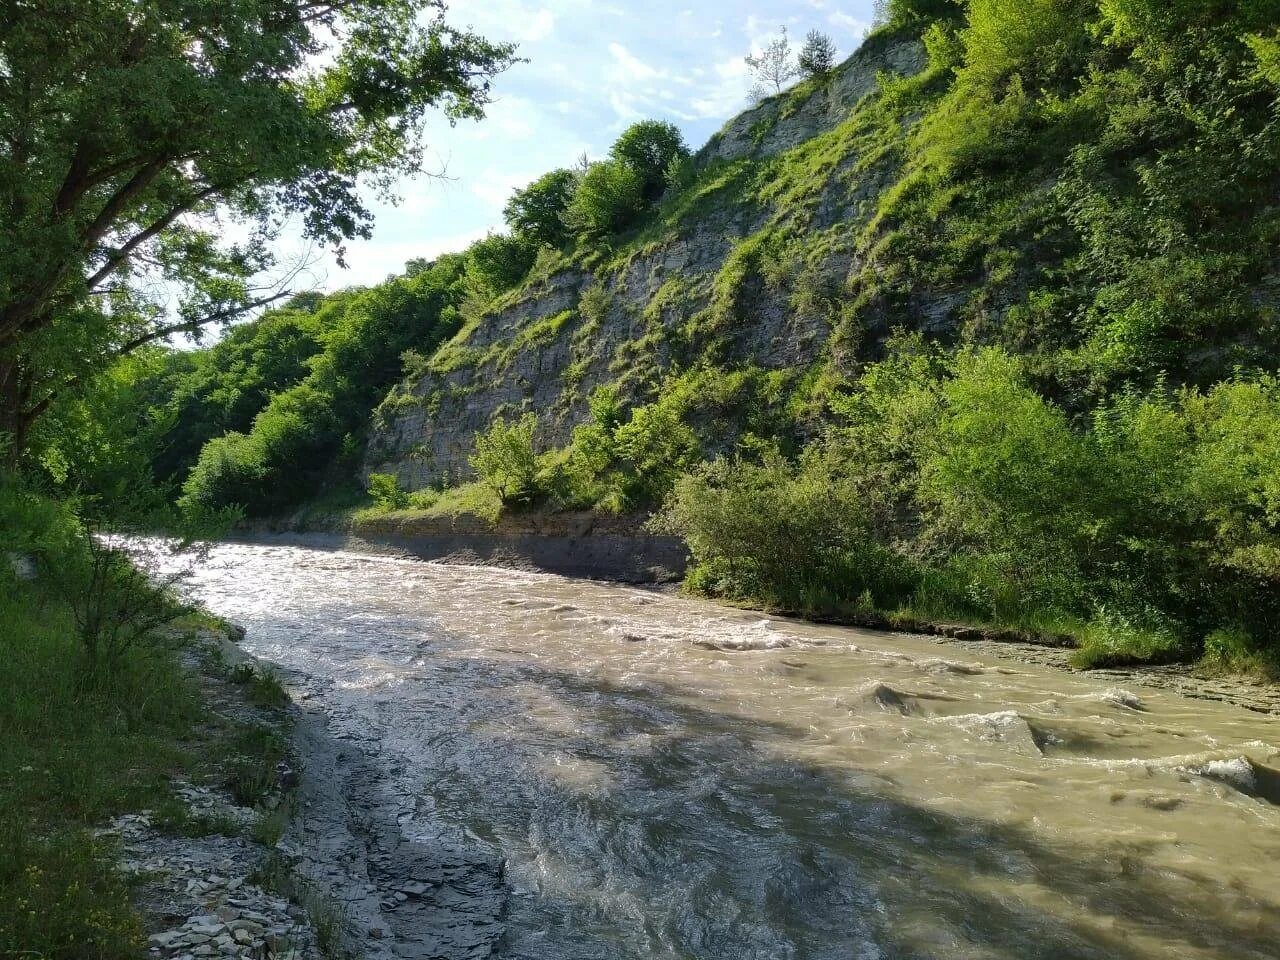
<point>129,129</point>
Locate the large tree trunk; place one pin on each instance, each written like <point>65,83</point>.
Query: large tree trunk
<point>16,415</point>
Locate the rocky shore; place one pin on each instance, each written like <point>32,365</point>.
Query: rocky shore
<point>207,868</point>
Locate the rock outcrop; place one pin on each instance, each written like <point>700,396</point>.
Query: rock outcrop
<point>663,295</point>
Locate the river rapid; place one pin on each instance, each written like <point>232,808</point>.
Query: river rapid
<point>516,765</point>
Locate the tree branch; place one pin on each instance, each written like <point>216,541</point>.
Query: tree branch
<point>188,326</point>
<point>159,333</point>
<point>122,253</point>
<point>120,200</point>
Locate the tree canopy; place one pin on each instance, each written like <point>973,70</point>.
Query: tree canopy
<point>537,211</point>
<point>127,126</point>
<point>651,148</point>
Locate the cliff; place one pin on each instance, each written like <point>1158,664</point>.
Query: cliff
<point>679,291</point>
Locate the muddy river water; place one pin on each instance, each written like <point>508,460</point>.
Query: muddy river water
<point>515,765</point>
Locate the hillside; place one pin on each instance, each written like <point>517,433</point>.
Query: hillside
<point>979,325</point>
<point>1110,250</point>
<point>783,189</point>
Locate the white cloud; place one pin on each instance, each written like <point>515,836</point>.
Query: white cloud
<point>508,118</point>
<point>726,94</point>
<point>630,69</point>
<point>854,25</point>
<point>538,27</point>
<point>494,186</point>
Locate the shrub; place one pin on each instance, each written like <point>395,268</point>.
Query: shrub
<point>609,198</point>
<point>271,467</point>
<point>499,262</point>
<point>538,210</point>
<point>795,537</point>
<point>656,446</point>
<point>1002,468</point>
<point>117,599</point>
<point>229,470</point>
<point>505,460</point>
<point>386,492</point>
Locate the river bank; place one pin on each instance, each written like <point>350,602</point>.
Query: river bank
<point>140,808</point>
<point>573,543</point>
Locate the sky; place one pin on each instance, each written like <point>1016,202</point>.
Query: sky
<point>593,68</point>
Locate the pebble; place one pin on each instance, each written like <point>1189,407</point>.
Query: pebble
<point>205,880</point>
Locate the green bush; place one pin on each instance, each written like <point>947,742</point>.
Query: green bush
<point>656,446</point>
<point>653,149</point>
<point>386,492</point>
<point>792,537</point>
<point>609,198</point>
<point>1142,527</point>
<point>273,465</point>
<point>499,262</point>
<point>311,427</point>
<point>538,210</point>
<point>619,463</point>
<point>504,459</point>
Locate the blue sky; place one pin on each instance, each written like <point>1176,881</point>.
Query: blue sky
<point>594,68</point>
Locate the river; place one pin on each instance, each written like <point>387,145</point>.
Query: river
<point>515,765</point>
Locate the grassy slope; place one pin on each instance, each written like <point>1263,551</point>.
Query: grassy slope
<point>76,752</point>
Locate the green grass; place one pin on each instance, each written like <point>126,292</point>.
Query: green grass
<point>78,748</point>
<point>74,753</point>
<point>262,686</point>
<point>1106,644</point>
<point>469,499</point>
<point>1234,651</point>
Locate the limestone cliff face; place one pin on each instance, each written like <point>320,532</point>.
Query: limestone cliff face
<point>630,319</point>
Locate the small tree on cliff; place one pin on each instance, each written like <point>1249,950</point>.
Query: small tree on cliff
<point>652,148</point>
<point>818,55</point>
<point>537,211</point>
<point>773,68</point>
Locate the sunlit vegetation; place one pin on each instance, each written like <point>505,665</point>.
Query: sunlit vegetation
<point>1084,441</point>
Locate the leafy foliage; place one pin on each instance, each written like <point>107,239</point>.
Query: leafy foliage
<point>792,537</point>
<point>305,429</point>
<point>499,262</point>
<point>538,210</point>
<point>128,125</point>
<point>653,149</point>
<point>504,458</point>
<point>1156,517</point>
<point>386,492</point>
<point>609,198</point>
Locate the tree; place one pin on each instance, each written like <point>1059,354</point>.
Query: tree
<point>499,262</point>
<point>125,128</point>
<point>537,211</point>
<point>651,148</point>
<point>609,197</point>
<point>818,55</point>
<point>773,68</point>
<point>504,458</point>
